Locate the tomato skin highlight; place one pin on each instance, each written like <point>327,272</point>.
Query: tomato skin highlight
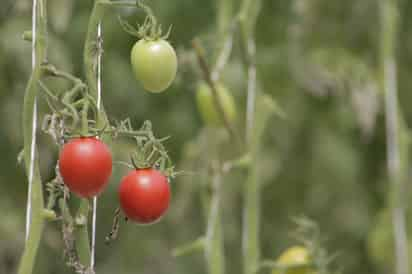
<point>85,165</point>
<point>144,195</point>
<point>207,107</point>
<point>293,256</point>
<point>154,64</point>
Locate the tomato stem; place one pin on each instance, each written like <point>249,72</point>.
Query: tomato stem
<point>192,247</point>
<point>396,132</point>
<point>81,232</point>
<point>85,120</point>
<point>37,204</point>
<point>149,30</point>
<point>119,3</point>
<point>249,11</point>
<point>214,243</point>
<point>89,55</point>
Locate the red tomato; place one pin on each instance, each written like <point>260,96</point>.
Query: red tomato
<point>85,165</point>
<point>144,195</point>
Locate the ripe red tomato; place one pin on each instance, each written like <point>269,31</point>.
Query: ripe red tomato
<point>144,195</point>
<point>85,165</point>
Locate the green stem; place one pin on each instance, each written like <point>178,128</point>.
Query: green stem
<point>81,232</point>
<point>119,3</point>
<point>224,19</point>
<point>224,16</point>
<point>90,53</point>
<point>214,243</point>
<point>251,214</point>
<point>195,246</point>
<point>247,21</point>
<point>251,211</point>
<point>252,189</point>
<point>28,258</point>
<point>85,121</point>
<point>214,240</point>
<point>90,47</point>
<point>50,70</point>
<point>396,163</point>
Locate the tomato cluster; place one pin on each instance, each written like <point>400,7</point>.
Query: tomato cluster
<point>85,165</point>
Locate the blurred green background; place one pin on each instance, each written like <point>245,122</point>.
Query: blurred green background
<point>326,160</point>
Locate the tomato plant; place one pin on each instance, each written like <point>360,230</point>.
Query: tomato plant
<point>85,165</point>
<point>144,195</point>
<point>154,64</point>
<point>207,106</point>
<point>295,260</point>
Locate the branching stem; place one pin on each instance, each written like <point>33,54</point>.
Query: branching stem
<point>251,210</point>
<point>394,130</point>
<point>37,204</point>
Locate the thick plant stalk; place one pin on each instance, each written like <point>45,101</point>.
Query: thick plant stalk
<point>90,53</point>
<point>251,210</point>
<point>214,240</point>
<point>214,243</point>
<point>252,189</point>
<point>81,232</point>
<point>394,128</point>
<point>247,19</point>
<point>37,204</point>
<point>224,10</point>
<point>90,46</point>
<point>99,101</point>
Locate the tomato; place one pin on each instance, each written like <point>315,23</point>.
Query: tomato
<point>154,64</point>
<point>294,255</point>
<point>207,108</point>
<point>85,165</point>
<point>144,195</point>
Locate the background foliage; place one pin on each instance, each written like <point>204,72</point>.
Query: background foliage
<point>326,160</point>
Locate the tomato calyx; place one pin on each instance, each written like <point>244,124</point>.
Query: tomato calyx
<point>151,153</point>
<point>150,30</point>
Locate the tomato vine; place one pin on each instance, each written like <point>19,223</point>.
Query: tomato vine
<point>75,116</point>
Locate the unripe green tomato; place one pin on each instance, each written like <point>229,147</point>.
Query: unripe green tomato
<point>154,64</point>
<point>294,255</point>
<point>207,107</point>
